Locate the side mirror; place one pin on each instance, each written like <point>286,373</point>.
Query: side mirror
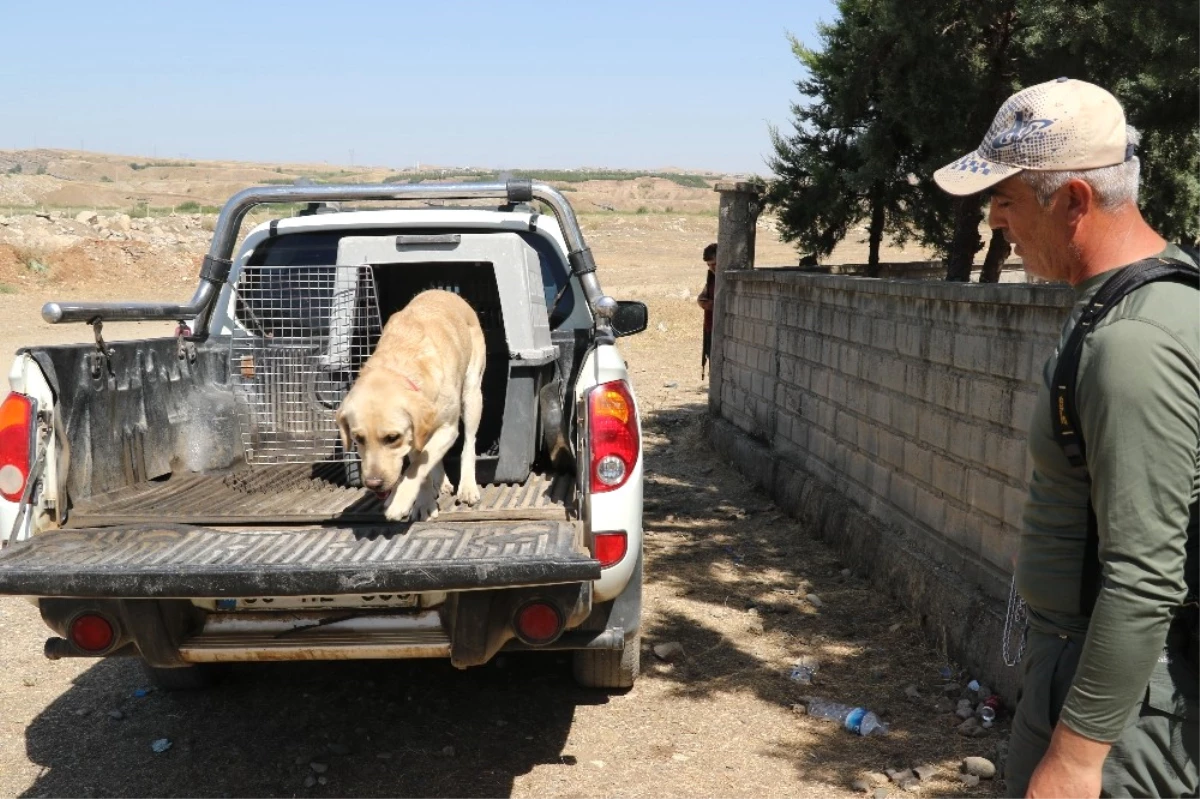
<point>631,317</point>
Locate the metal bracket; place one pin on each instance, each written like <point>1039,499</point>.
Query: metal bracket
<point>184,348</point>
<point>101,359</point>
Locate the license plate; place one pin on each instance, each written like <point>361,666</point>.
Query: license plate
<point>319,602</point>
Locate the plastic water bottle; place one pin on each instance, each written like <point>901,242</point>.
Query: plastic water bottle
<point>857,720</point>
<point>802,674</point>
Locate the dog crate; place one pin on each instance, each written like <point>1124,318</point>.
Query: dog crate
<point>499,275</point>
<point>307,330</point>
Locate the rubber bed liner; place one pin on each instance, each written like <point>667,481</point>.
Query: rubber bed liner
<point>180,561</point>
<point>303,494</point>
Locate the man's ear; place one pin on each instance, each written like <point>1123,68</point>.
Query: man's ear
<point>422,424</point>
<point>1080,200</point>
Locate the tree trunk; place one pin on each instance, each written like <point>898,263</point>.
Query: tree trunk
<point>966,241</point>
<point>998,250</point>
<point>875,232</point>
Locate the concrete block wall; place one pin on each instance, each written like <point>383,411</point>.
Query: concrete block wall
<point>910,399</point>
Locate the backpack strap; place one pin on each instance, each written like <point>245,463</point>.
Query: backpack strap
<point>1063,411</point>
<point>1065,415</point>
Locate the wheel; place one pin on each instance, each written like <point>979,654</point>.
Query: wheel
<point>607,668</point>
<point>185,678</point>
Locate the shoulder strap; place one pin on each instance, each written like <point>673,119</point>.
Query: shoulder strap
<point>1065,416</point>
<point>1063,412</point>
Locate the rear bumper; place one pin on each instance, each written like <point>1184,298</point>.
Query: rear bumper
<point>161,561</point>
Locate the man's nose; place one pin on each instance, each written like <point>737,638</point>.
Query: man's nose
<point>373,483</point>
<point>995,219</point>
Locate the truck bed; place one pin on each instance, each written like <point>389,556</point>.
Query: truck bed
<point>303,494</point>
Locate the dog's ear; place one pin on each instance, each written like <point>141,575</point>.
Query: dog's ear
<point>422,424</point>
<point>344,428</point>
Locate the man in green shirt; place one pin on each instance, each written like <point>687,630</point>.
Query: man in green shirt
<point>1108,703</point>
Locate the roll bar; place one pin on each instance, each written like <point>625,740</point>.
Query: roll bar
<point>218,262</point>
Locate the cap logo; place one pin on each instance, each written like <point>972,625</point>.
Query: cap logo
<point>1021,129</point>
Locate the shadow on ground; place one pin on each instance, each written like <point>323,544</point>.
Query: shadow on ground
<point>369,728</point>
<point>715,540</point>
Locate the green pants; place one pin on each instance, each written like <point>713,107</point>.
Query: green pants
<point>1158,750</point>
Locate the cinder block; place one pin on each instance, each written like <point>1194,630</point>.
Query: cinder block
<point>998,546</point>
<point>891,449</point>
<point>962,528</point>
<point>859,468</point>
<point>916,375</point>
<point>881,408</point>
<point>971,352</point>
<point>904,416</point>
<point>860,330</point>
<point>918,463</point>
<point>1006,455</point>
<point>941,346</point>
<point>934,429</point>
<point>1014,507</point>
<point>868,437</point>
<point>893,374</point>
<point>930,509</point>
<point>903,493</point>
<point>837,388</point>
<point>881,477</point>
<point>909,340</point>
<point>1024,404</point>
<point>949,477</point>
<point>849,359</point>
<point>990,400</point>
<point>819,381</point>
<point>847,428</point>
<point>986,494</point>
<point>883,334</point>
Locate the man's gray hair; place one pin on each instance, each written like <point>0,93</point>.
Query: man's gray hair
<point>1113,185</point>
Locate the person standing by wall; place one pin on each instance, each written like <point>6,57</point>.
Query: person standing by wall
<point>705,301</point>
<point>1109,696</point>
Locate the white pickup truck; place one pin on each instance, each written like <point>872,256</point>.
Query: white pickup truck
<point>185,500</point>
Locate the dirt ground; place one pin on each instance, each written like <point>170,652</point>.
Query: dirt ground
<point>727,577</point>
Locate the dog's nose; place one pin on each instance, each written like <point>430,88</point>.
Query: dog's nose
<point>373,483</point>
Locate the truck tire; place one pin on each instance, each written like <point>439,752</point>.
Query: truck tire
<point>607,668</point>
<point>186,678</point>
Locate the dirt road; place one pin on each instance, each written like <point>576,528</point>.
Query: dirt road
<point>727,577</point>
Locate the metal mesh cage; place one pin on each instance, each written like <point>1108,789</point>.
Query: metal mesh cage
<point>305,333</point>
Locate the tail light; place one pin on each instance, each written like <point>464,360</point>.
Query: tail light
<point>16,432</point>
<point>91,632</point>
<point>615,442</point>
<point>538,623</point>
<point>609,548</point>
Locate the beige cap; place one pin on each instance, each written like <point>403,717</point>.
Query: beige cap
<point>1061,125</point>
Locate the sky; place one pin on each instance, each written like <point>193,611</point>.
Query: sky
<point>635,85</point>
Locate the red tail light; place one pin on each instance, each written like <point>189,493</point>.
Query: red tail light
<point>91,632</point>
<point>538,623</point>
<point>16,430</point>
<point>615,443</point>
<point>610,547</point>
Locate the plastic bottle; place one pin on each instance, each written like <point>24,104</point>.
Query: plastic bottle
<point>857,720</point>
<point>802,674</point>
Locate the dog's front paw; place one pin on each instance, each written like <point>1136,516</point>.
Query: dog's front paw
<point>426,508</point>
<point>468,493</point>
<point>401,503</point>
<point>447,487</point>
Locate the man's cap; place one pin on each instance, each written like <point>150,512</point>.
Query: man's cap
<point>1064,124</point>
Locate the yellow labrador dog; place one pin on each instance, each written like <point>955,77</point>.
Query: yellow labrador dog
<point>403,411</point>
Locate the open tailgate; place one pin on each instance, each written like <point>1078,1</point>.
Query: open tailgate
<point>156,561</point>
